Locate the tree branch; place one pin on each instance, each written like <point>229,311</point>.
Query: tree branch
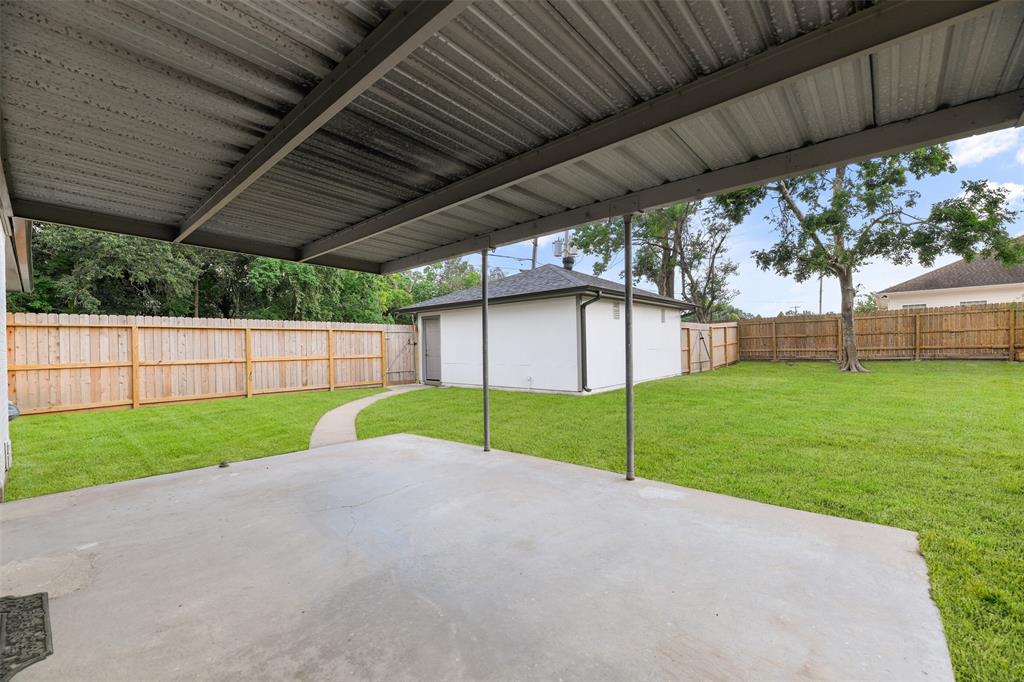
<point>813,234</point>
<point>781,188</point>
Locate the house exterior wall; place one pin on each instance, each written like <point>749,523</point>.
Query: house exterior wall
<point>938,298</point>
<point>532,345</point>
<point>656,344</point>
<point>5,438</point>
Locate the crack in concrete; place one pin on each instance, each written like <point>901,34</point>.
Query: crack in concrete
<point>364,502</point>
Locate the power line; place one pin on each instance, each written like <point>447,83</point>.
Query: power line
<point>501,255</point>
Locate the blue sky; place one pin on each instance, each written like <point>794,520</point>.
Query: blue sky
<point>997,157</point>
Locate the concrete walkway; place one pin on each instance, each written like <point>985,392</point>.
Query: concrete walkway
<point>339,425</point>
<point>403,558</point>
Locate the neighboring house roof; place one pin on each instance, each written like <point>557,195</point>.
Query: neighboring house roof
<point>542,282</point>
<point>977,273</point>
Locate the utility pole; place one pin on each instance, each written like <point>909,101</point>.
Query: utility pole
<point>533,260</point>
<point>820,279</point>
<point>568,255</point>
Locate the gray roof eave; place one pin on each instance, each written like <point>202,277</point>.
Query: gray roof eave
<point>559,293</point>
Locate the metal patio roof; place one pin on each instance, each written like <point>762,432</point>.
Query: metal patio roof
<point>379,135</point>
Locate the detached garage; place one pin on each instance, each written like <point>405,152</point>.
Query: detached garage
<point>551,329</point>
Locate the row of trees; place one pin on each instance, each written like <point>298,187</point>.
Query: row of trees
<point>82,271</point>
<point>828,224</point>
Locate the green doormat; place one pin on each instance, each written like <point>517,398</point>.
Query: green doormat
<point>24,633</point>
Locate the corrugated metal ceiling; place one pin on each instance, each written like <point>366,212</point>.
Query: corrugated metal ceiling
<point>137,109</point>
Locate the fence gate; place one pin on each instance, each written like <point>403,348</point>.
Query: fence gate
<point>402,356</point>
<point>708,346</point>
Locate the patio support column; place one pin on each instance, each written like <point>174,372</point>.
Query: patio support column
<point>627,227</point>
<point>483,334</point>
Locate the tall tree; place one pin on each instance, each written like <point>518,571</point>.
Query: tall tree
<point>833,222</point>
<point>689,237</point>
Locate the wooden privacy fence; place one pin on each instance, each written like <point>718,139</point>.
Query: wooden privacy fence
<point>708,346</point>
<point>985,332</point>
<point>57,363</point>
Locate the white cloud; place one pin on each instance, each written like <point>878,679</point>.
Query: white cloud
<point>1014,191</point>
<point>981,147</point>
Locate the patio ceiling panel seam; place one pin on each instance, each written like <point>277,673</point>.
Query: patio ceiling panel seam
<point>847,38</point>
<point>406,28</point>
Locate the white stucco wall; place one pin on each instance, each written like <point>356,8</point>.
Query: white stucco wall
<point>938,298</point>
<point>656,344</point>
<point>532,345</point>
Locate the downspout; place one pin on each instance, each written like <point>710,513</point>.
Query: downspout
<point>583,339</point>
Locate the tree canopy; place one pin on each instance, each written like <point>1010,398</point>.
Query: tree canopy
<point>84,271</point>
<point>691,238</point>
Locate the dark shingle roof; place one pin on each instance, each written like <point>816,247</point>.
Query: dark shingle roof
<point>980,272</point>
<point>543,281</point>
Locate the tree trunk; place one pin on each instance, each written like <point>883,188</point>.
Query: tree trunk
<point>701,314</point>
<point>195,300</point>
<point>667,271</point>
<point>850,362</point>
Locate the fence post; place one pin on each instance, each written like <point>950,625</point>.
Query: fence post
<point>839,339</point>
<point>711,348</point>
<point>917,336</point>
<point>330,359</point>
<point>248,362</point>
<point>383,359</point>
<point>775,341</point>
<point>1013,333</point>
<point>134,348</point>
<point>689,353</point>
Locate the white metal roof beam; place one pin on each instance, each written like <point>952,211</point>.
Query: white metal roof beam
<point>20,256</point>
<point>6,211</point>
<point>16,236</point>
<point>848,38</point>
<point>967,119</point>
<point>94,220</point>
<point>401,32</point>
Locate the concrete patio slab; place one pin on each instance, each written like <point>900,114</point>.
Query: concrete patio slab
<point>406,557</point>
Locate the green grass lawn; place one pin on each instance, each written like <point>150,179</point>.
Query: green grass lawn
<point>55,452</point>
<point>933,447</point>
